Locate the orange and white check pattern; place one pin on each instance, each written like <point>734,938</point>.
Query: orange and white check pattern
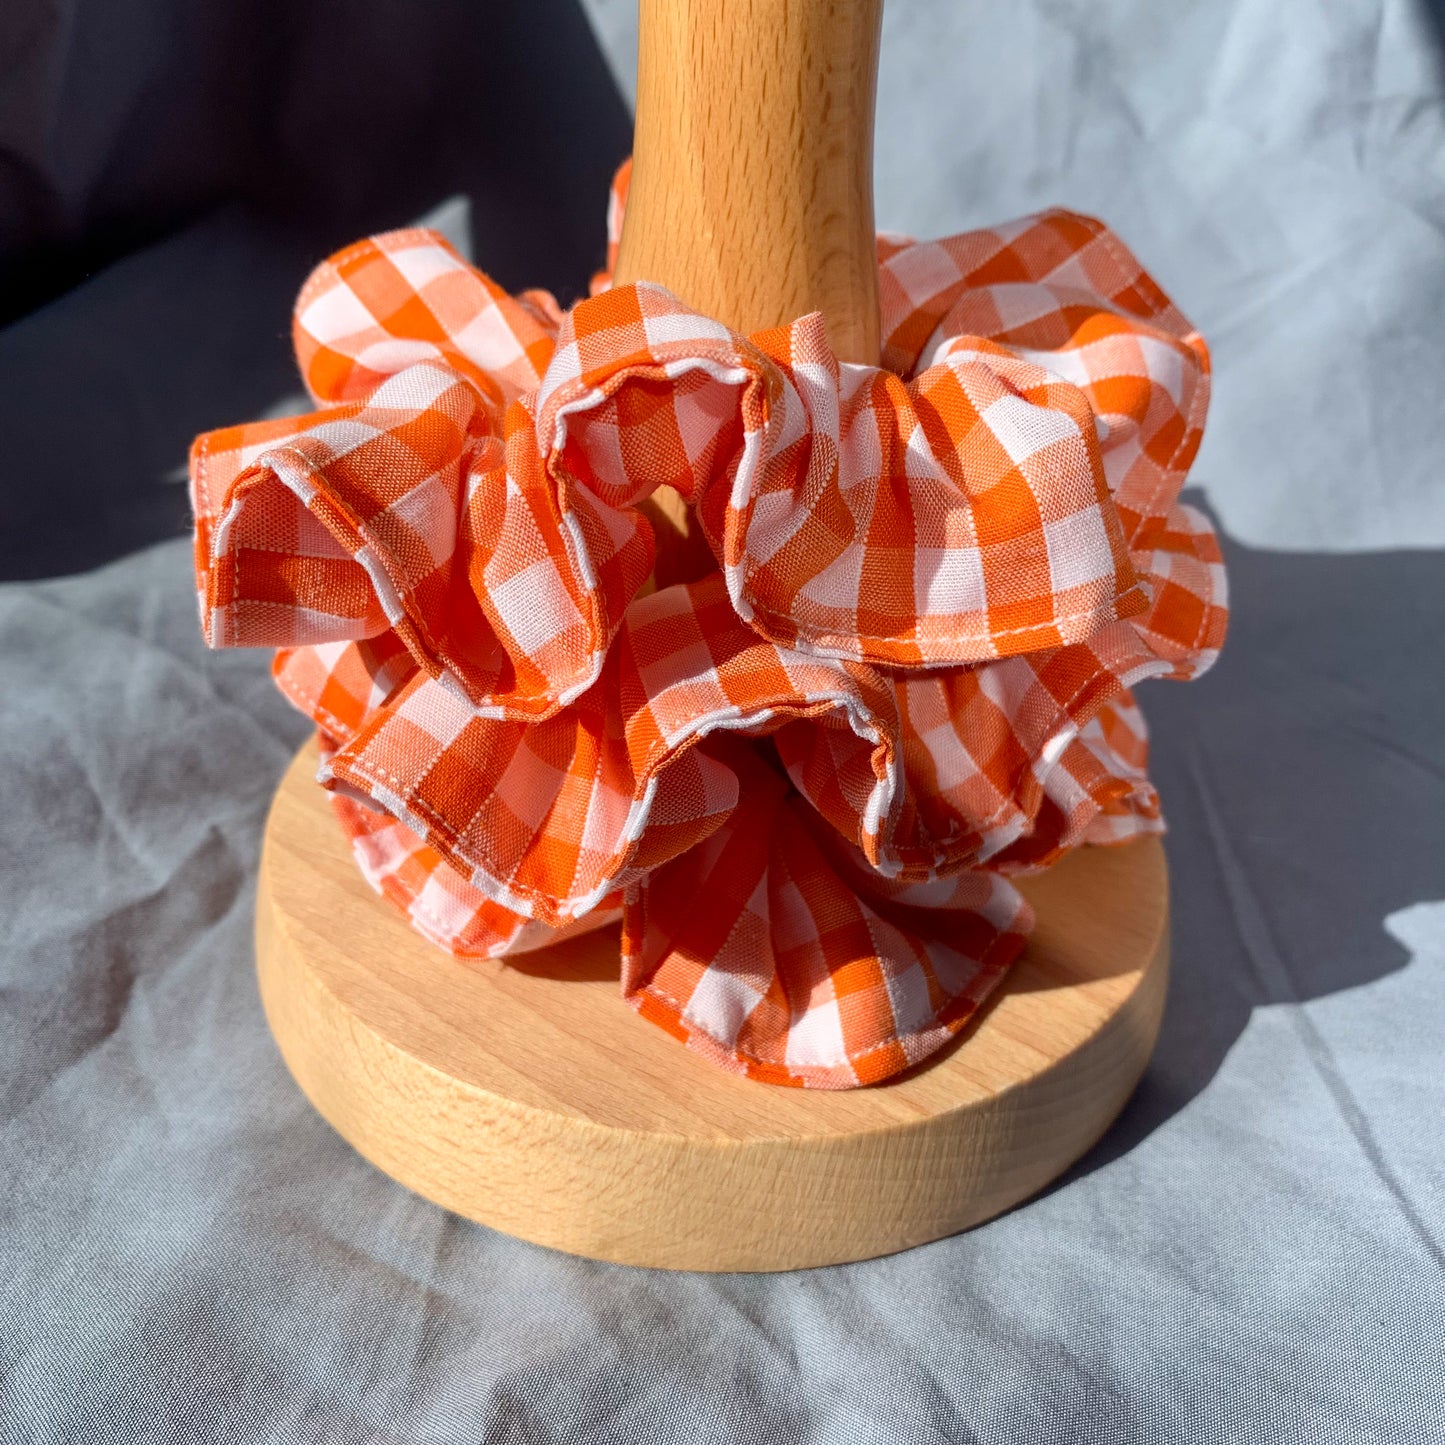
<point>803,778</point>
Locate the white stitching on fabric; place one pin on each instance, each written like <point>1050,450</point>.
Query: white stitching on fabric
<point>744,1057</point>
<point>1107,613</point>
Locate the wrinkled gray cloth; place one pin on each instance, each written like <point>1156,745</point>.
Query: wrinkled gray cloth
<point>1256,1252</point>
<point>1253,1253</point>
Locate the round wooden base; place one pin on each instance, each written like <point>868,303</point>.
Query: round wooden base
<point>528,1096</point>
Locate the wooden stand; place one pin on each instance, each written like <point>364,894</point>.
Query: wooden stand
<point>528,1096</point>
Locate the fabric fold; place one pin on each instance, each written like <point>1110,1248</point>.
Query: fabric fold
<point>959,516</point>
<point>779,953</point>
<point>548,817</point>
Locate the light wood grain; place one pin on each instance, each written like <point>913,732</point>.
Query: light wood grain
<point>752,178</point>
<point>529,1097</point>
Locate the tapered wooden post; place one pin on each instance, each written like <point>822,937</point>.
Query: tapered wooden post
<point>752,180</point>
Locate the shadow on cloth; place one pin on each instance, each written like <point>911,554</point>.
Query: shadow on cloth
<point>1304,784</point>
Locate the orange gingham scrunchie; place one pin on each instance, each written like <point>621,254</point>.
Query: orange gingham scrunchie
<point>802,779</point>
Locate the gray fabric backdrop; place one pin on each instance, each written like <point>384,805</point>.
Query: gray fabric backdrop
<point>1256,1252</point>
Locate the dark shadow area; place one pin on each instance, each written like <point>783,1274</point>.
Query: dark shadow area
<point>169,174</point>
<point>588,959</point>
<point>1434,11</point>
<point>1304,783</point>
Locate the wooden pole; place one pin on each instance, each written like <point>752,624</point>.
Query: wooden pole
<point>752,179</point>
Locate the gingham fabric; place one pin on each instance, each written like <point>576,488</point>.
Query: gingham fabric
<point>802,766</point>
